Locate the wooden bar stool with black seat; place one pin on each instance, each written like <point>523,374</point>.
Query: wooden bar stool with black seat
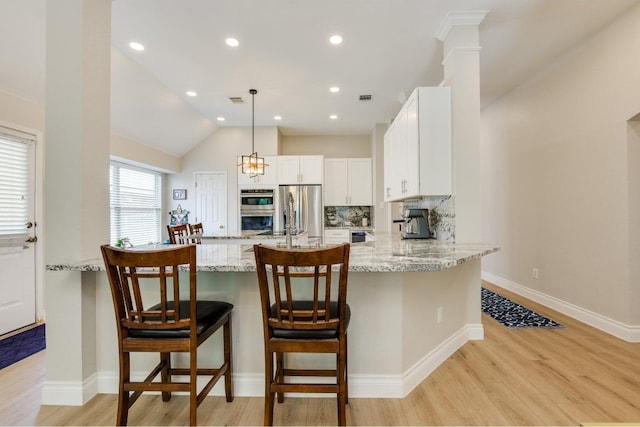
<point>305,316</point>
<point>166,325</point>
<point>178,234</point>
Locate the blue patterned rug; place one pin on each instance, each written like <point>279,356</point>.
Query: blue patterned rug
<point>513,315</point>
<point>21,345</point>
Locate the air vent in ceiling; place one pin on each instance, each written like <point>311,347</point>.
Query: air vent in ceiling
<point>366,97</point>
<point>236,99</point>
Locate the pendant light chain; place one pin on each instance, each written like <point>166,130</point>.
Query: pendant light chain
<point>253,118</point>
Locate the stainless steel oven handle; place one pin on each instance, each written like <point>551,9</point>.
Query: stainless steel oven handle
<point>257,208</point>
<point>260,213</point>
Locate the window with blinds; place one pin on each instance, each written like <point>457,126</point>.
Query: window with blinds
<point>15,186</point>
<point>136,204</point>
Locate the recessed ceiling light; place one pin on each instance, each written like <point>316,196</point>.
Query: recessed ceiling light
<point>191,93</point>
<point>232,42</point>
<point>220,119</point>
<point>333,117</point>
<point>335,39</point>
<point>277,117</point>
<point>136,46</point>
<point>334,89</point>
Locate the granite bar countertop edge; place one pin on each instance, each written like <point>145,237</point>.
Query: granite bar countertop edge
<point>386,254</point>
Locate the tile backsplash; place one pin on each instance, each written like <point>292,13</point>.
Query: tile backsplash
<point>348,216</point>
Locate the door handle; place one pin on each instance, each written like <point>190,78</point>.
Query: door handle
<point>31,239</point>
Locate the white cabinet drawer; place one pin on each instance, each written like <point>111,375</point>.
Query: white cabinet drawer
<point>336,236</point>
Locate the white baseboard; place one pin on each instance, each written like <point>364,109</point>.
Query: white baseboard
<point>425,366</point>
<point>369,386</point>
<point>70,393</point>
<point>629,333</point>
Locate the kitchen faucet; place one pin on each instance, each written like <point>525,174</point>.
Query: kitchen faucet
<point>289,229</point>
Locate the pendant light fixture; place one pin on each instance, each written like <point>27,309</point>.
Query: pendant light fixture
<point>253,165</point>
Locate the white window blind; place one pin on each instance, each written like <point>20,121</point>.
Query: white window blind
<point>136,203</point>
<point>14,186</point>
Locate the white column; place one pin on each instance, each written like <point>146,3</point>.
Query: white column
<point>459,33</point>
<point>381,211</point>
<point>76,187</point>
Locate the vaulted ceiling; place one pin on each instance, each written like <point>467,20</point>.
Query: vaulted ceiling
<point>389,47</point>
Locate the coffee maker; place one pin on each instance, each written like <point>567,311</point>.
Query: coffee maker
<point>416,224</point>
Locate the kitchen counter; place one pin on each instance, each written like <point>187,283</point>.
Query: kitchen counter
<point>385,254</point>
<point>414,303</point>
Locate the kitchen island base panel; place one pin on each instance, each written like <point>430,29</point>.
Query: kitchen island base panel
<point>403,326</point>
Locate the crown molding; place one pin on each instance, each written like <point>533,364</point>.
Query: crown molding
<point>459,18</point>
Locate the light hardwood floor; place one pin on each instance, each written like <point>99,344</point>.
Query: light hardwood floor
<point>513,377</point>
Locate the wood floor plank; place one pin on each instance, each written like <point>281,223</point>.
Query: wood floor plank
<point>20,386</point>
<point>513,377</point>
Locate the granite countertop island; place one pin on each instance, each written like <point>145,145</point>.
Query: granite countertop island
<point>414,303</point>
<point>386,254</point>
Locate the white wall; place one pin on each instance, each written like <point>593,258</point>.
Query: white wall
<point>123,148</point>
<point>633,161</point>
<point>555,161</point>
<point>328,145</point>
<point>219,152</point>
<point>21,112</point>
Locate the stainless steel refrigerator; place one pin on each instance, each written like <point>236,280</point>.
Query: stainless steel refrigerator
<point>307,212</point>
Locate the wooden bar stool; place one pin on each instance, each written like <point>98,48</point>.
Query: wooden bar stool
<point>178,234</point>
<point>303,317</point>
<point>195,231</point>
<point>166,325</point>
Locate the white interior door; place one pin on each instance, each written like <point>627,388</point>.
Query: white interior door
<point>211,202</point>
<point>17,230</point>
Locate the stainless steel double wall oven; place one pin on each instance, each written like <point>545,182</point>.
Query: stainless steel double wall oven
<point>257,209</point>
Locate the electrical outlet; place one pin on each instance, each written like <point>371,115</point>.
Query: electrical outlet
<point>440,314</point>
<point>535,273</point>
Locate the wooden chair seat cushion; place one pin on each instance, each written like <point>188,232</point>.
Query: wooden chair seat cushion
<point>310,333</point>
<point>208,314</point>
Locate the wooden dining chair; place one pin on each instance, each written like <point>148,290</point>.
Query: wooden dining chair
<point>165,325</point>
<point>302,313</point>
<point>195,231</point>
<point>178,234</point>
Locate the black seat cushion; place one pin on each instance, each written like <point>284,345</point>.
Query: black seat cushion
<point>310,334</point>
<point>207,313</point>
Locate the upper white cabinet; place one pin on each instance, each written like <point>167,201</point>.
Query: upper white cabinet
<point>348,182</point>
<point>269,178</point>
<point>300,169</point>
<point>417,146</point>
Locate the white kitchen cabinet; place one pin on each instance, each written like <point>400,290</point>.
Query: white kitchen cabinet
<point>270,177</point>
<point>336,236</point>
<point>348,182</point>
<point>300,170</point>
<point>417,146</point>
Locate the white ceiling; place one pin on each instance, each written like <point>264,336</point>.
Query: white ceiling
<point>389,48</point>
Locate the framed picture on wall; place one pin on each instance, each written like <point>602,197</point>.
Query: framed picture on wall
<point>180,194</point>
